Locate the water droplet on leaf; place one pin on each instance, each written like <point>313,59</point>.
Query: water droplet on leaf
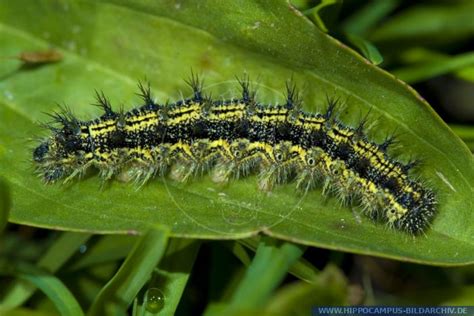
<point>154,300</point>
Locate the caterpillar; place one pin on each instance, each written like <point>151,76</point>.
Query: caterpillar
<point>234,138</point>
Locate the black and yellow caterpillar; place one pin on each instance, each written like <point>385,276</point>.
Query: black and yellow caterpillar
<point>235,138</point>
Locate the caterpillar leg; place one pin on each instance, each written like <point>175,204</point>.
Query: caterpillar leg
<point>279,167</point>
<point>309,169</point>
<point>237,159</point>
<point>144,163</point>
<point>193,159</point>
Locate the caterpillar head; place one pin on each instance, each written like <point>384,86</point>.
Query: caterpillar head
<point>422,205</point>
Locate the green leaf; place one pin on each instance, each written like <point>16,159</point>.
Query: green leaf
<point>119,292</point>
<point>52,287</point>
<point>366,48</point>
<point>163,41</point>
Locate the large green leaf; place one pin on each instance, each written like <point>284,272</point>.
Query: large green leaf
<point>109,45</point>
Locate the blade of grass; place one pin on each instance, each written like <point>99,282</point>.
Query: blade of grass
<point>429,23</point>
<point>467,73</point>
<point>4,204</point>
<point>66,245</point>
<point>297,298</point>
<point>22,311</point>
<point>108,248</point>
<point>462,297</point>
<point>302,269</point>
<point>466,133</point>
<point>424,71</point>
<point>51,286</point>
<point>239,251</point>
<point>173,273</point>
<point>268,268</point>
<point>57,292</point>
<point>422,56</point>
<point>315,14</point>
<point>119,292</point>
<point>364,19</point>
